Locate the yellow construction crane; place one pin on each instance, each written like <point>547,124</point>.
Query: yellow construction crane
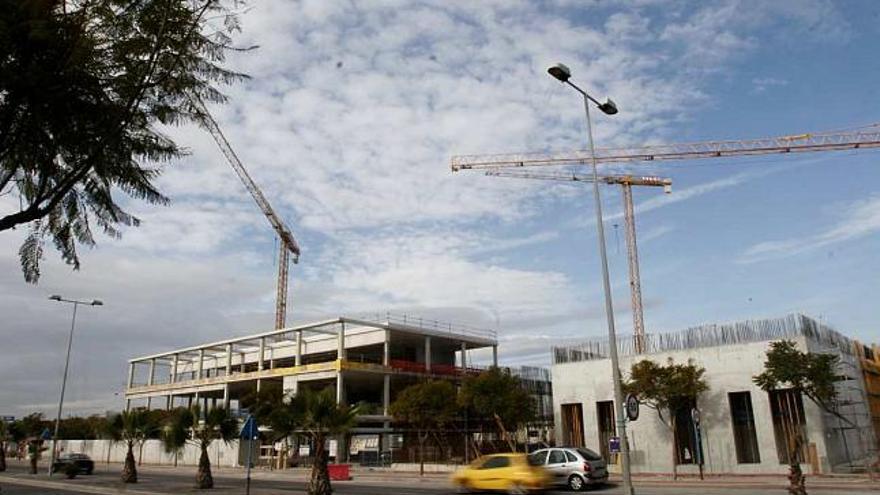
<point>852,139</point>
<point>287,244</point>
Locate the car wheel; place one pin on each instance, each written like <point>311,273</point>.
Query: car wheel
<point>576,483</point>
<point>516,489</point>
<point>462,488</point>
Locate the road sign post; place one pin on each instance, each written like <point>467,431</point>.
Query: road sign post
<point>698,439</point>
<point>249,432</point>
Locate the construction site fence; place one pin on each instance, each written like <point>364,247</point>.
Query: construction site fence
<point>711,335</point>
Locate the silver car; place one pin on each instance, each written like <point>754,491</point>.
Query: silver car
<point>575,467</point>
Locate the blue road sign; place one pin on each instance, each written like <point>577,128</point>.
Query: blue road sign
<point>8,419</point>
<point>46,435</point>
<point>249,430</point>
<point>614,445</point>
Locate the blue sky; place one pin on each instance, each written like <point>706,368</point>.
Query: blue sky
<point>350,119</point>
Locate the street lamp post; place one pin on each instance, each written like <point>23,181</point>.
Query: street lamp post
<point>76,303</point>
<point>563,74</point>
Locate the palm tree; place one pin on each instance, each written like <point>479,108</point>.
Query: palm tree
<point>216,424</point>
<point>133,428</point>
<point>320,416</point>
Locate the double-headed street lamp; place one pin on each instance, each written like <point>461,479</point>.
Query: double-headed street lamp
<point>563,74</point>
<point>76,303</point>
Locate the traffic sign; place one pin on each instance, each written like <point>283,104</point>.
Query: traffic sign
<point>249,430</point>
<point>46,434</point>
<point>632,407</point>
<point>614,445</point>
<point>7,419</point>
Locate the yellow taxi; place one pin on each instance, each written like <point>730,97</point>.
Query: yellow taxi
<point>510,473</point>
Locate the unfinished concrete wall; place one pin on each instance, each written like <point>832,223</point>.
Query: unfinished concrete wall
<point>729,368</point>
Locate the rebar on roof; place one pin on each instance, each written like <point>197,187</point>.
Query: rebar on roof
<point>711,335</point>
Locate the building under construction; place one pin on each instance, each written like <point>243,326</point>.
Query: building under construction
<point>368,361</point>
<point>740,428</point>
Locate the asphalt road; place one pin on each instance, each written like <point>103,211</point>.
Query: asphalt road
<point>179,482</point>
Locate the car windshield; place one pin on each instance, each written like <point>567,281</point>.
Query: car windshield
<point>537,459</point>
<point>589,454</point>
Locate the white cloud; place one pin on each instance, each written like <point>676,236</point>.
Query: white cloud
<point>857,219</point>
<point>760,84</point>
<point>348,125</point>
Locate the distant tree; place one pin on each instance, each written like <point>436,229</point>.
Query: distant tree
<point>133,428</point>
<point>28,429</point>
<point>321,417</point>
<point>5,436</point>
<point>84,89</point>
<point>81,428</point>
<point>807,373</point>
<point>667,389</point>
<point>426,407</point>
<point>497,396</point>
<point>216,424</point>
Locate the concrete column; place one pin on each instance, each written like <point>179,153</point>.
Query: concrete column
<point>463,355</point>
<point>149,403</point>
<point>169,401</point>
<point>386,349</point>
<point>201,366</point>
<point>189,401</point>
<point>428,354</point>
<point>127,404</point>
<point>340,351</point>
<point>130,374</point>
<point>242,356</point>
<point>262,353</point>
<point>271,358</point>
<point>495,356</point>
<point>226,396</point>
<point>386,394</point>
<point>174,368</point>
<point>228,359</point>
<point>299,348</point>
<point>152,377</point>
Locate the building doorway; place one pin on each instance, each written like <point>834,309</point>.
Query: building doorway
<point>607,428</point>
<point>789,425</point>
<point>573,425</point>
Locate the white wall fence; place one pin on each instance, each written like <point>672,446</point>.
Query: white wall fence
<point>152,452</point>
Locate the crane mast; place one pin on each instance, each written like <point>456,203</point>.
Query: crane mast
<point>626,182</point>
<point>287,244</point>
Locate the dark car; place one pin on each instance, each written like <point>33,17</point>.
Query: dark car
<point>575,467</point>
<point>82,461</point>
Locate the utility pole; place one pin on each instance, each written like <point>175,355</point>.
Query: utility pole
<point>76,303</point>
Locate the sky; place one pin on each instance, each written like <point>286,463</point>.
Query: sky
<point>348,123</point>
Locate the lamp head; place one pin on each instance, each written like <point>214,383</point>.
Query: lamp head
<point>97,302</point>
<point>54,297</point>
<point>609,107</point>
<point>560,72</point>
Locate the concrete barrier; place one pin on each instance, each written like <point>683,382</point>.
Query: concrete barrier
<point>153,453</point>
